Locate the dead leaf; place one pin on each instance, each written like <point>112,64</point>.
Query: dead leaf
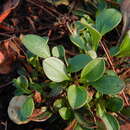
<point>7,57</point>
<point>125,126</point>
<point>37,97</point>
<point>71,126</point>
<point>7,8</point>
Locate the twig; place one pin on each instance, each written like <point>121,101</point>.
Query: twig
<point>52,14</point>
<point>4,124</point>
<point>108,55</point>
<point>5,35</point>
<point>123,93</point>
<point>6,84</point>
<point>112,2</point>
<point>123,117</point>
<point>70,53</point>
<point>72,125</point>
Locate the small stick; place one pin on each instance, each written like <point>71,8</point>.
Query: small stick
<point>108,56</point>
<point>123,117</point>
<point>52,14</point>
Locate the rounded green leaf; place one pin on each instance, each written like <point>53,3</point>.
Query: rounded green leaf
<point>93,71</point>
<point>58,51</point>
<point>55,69</point>
<point>65,113</point>
<point>77,96</point>
<point>107,20</point>
<point>21,83</point>
<point>77,40</point>
<point>114,104</point>
<point>78,62</point>
<point>14,109</point>
<point>109,84</point>
<point>27,109</point>
<point>59,103</point>
<point>110,122</point>
<point>37,45</point>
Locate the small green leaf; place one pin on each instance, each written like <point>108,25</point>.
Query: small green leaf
<point>37,45</point>
<point>77,40</point>
<point>65,113</point>
<point>93,71</point>
<point>108,84</point>
<point>107,20</point>
<point>58,51</point>
<point>110,122</point>
<point>77,96</point>
<point>78,62</point>
<point>21,83</point>
<point>55,69</point>
<point>27,109</point>
<point>59,103</point>
<point>124,49</point>
<point>114,104</point>
<point>95,35</point>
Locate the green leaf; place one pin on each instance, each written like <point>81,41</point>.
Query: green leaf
<point>77,96</point>
<point>124,49</point>
<point>59,103</point>
<point>21,83</point>
<point>78,127</point>
<point>100,124</point>
<point>37,45</point>
<point>58,51</point>
<point>95,35</point>
<point>101,5</point>
<point>126,111</point>
<point>77,40</point>
<point>84,117</point>
<point>110,122</point>
<point>93,71</point>
<point>27,109</point>
<point>14,108</point>
<point>65,113</point>
<point>108,84</point>
<point>114,104</point>
<point>107,20</point>
<point>78,62</point>
<point>55,69</point>
<point>56,89</point>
